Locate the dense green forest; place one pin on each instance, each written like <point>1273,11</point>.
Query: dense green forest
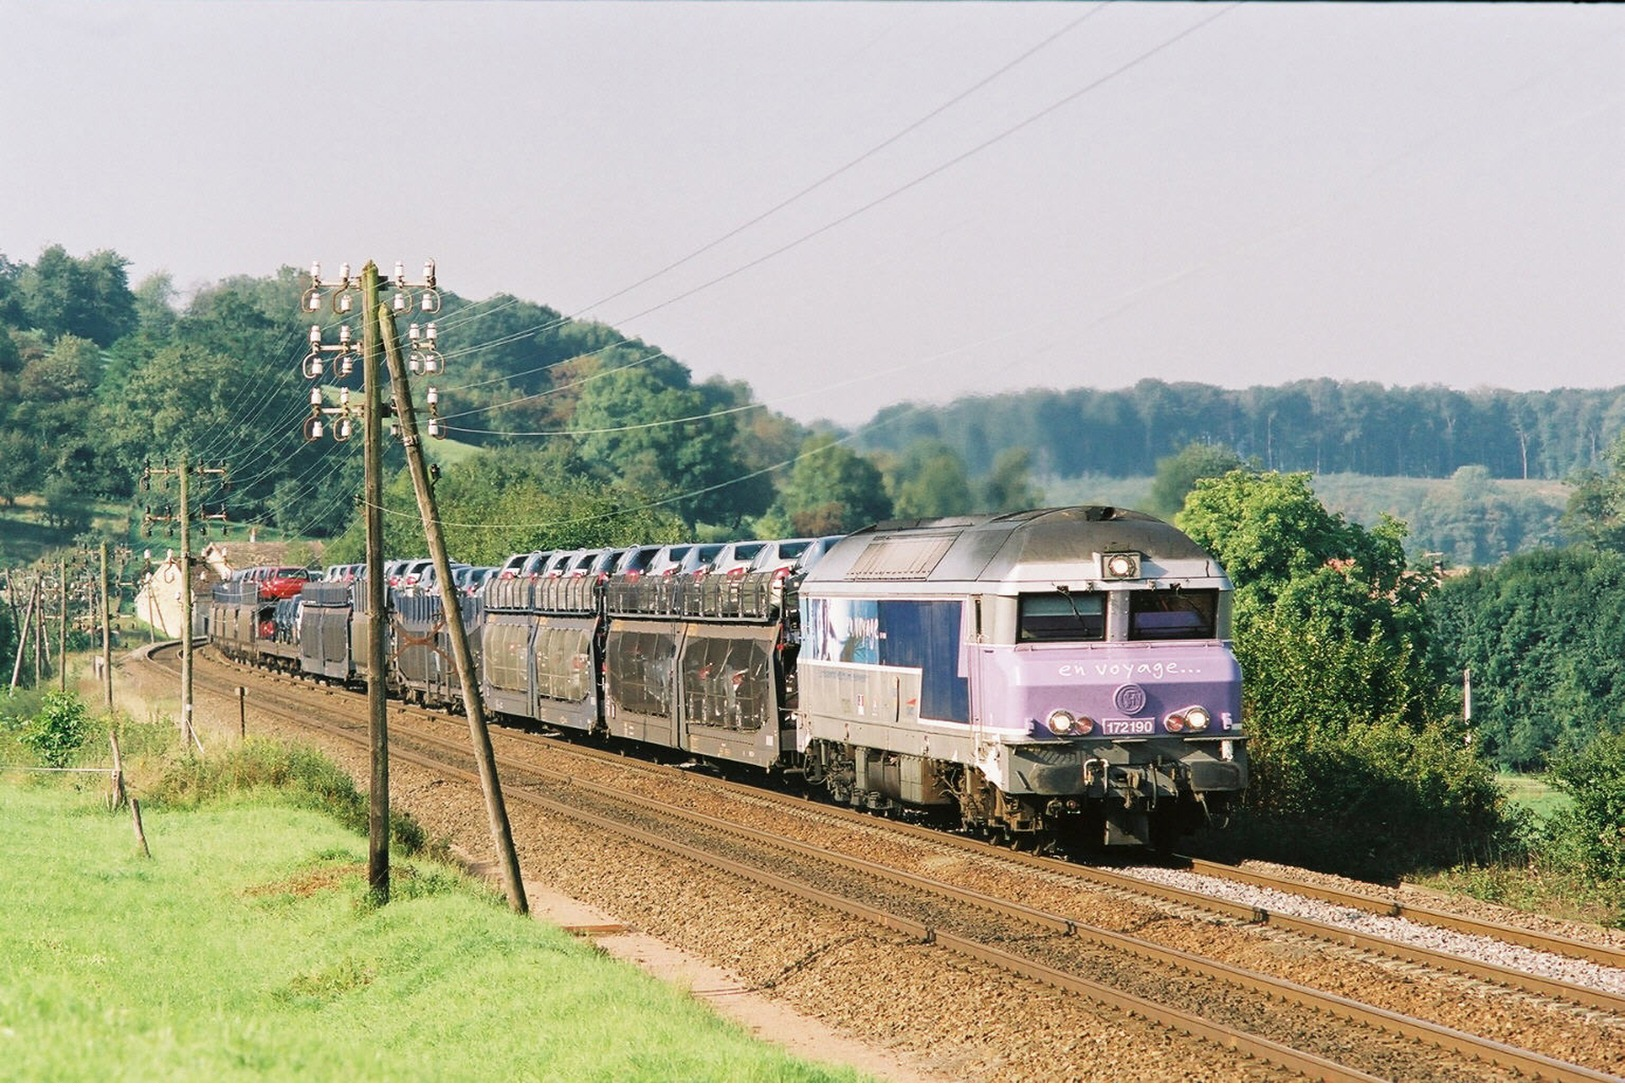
<point>1354,628</point>
<point>1320,426</point>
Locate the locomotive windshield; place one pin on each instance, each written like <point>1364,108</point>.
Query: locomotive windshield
<point>1160,614</point>
<point>1061,617</point>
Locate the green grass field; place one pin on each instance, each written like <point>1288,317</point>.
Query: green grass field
<point>1532,793</point>
<point>244,949</point>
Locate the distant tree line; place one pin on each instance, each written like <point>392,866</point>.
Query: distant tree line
<point>1319,426</point>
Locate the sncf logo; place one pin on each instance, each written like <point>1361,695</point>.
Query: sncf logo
<point>1130,698</point>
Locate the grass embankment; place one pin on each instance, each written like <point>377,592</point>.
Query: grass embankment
<point>244,949</point>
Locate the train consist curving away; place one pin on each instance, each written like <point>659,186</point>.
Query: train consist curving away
<point>1054,674</point>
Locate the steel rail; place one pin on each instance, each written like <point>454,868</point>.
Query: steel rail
<point>1510,977</point>
<point>1291,1060</point>
<point>1522,1061</point>
<point>1539,941</point>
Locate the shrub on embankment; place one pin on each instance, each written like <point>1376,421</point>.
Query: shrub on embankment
<point>300,776</point>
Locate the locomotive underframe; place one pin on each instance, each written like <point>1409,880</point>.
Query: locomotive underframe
<point>1106,792</point>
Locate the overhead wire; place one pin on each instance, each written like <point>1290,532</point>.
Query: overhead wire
<point>942,167</point>
<point>849,216</point>
<point>803,192</point>
<point>667,500</point>
<point>1032,118</point>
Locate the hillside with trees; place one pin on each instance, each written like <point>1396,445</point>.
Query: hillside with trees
<point>98,378</point>
<point>1319,426</point>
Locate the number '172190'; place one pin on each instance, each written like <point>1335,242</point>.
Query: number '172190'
<point>1139,726</point>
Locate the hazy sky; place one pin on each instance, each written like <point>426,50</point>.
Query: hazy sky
<point>935,199</point>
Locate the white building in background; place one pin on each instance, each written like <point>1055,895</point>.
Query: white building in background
<point>158,599</point>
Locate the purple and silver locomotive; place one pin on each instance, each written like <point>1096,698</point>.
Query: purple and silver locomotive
<point>1054,673</point>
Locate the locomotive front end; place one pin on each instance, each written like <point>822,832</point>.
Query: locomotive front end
<point>1127,691</point>
<point>1053,674</point>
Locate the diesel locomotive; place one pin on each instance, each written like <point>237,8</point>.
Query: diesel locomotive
<point>1055,674</point>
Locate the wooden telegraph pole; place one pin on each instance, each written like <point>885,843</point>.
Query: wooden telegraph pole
<point>372,417</point>
<point>22,638</point>
<point>378,630</point>
<point>495,808</point>
<point>372,414</point>
<point>62,628</point>
<point>107,633</point>
<point>189,737</point>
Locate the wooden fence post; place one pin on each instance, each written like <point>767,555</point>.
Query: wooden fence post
<point>118,796</point>
<point>140,835</point>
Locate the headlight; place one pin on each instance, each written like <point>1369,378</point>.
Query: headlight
<point>1060,722</point>
<point>1190,719</point>
<point>1120,565</point>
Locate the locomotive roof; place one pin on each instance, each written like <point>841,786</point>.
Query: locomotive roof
<point>1036,545</point>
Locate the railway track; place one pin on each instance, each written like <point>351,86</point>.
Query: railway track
<point>1296,1028</point>
<point>1550,943</point>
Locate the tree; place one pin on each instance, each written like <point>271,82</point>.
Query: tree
<point>929,480</point>
<point>1596,510</point>
<point>22,464</point>
<point>11,356</point>
<point>1267,528</point>
<point>831,489</point>
<point>1009,486</point>
<point>1176,475</point>
<point>504,501</point>
<point>1593,827</point>
<point>1541,633</point>
<point>61,295</point>
<point>55,392</point>
<point>67,508</point>
<point>640,421</point>
<point>1343,695</point>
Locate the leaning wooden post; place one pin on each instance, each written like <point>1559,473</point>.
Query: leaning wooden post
<point>140,834</point>
<point>42,658</point>
<point>242,713</point>
<point>107,631</point>
<point>495,807</point>
<point>22,640</point>
<point>119,796</point>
